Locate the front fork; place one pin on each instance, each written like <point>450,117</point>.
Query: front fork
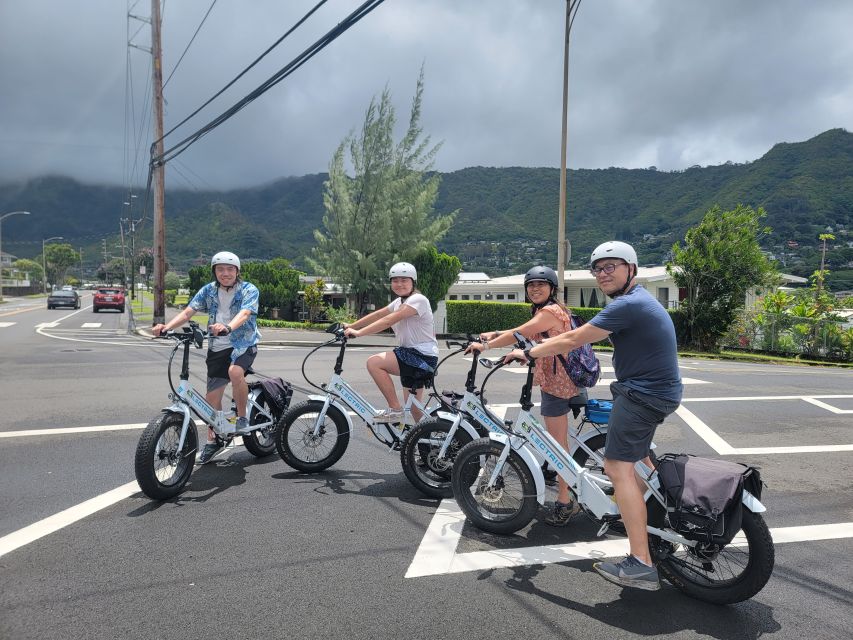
<point>321,417</point>
<point>499,465</point>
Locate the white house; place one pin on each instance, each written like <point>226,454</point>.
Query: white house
<point>580,287</point>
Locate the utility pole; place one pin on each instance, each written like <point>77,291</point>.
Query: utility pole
<point>123,253</point>
<point>564,246</point>
<point>106,265</point>
<point>81,266</point>
<point>158,171</point>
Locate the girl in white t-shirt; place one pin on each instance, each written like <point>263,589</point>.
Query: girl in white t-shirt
<point>410,317</point>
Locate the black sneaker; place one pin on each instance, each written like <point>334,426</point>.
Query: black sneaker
<point>208,452</point>
<point>562,513</point>
<point>550,476</point>
<point>629,573</point>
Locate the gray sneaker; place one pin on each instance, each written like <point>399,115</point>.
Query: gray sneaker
<point>629,573</point>
<point>562,513</point>
<point>242,425</point>
<point>208,452</point>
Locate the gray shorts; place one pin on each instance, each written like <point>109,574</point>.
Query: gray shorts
<point>633,421</point>
<point>552,406</point>
<point>218,363</point>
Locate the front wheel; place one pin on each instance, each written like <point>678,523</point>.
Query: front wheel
<point>261,442</point>
<point>506,506</point>
<point>161,470</point>
<point>429,473</point>
<point>726,575</point>
<point>304,447</point>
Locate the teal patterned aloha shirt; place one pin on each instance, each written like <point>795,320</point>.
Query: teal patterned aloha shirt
<point>246,297</point>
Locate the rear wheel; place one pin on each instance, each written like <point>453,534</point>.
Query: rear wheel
<point>429,473</point>
<point>726,575</point>
<point>302,448</point>
<point>506,506</point>
<point>261,442</point>
<point>161,469</point>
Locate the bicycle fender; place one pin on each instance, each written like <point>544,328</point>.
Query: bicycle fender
<point>752,503</point>
<point>334,403</point>
<point>587,435</point>
<point>530,460</point>
<point>450,417</point>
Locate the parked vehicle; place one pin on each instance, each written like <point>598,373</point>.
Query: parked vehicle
<point>108,298</point>
<point>63,299</point>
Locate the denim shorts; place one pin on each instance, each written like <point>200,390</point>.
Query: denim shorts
<point>416,368</point>
<point>633,421</point>
<point>218,363</point>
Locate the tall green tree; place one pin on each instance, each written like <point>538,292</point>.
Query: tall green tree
<point>59,257</point>
<point>384,211</point>
<point>718,264</point>
<point>33,268</point>
<point>436,273</point>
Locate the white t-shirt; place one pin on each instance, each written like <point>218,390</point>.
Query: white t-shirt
<point>418,331</point>
<point>224,315</point>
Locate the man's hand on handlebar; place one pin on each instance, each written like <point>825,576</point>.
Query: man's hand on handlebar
<point>158,329</point>
<point>475,348</point>
<point>349,332</point>
<point>218,329</point>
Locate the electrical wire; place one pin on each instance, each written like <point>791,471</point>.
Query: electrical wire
<point>178,63</point>
<point>247,69</point>
<point>297,62</point>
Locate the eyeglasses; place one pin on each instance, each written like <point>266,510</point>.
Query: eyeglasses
<point>608,268</point>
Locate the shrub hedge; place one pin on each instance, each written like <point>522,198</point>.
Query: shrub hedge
<point>473,316</point>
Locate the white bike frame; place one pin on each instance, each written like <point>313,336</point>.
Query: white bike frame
<point>340,394</point>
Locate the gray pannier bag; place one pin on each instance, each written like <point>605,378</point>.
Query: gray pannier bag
<point>703,496</point>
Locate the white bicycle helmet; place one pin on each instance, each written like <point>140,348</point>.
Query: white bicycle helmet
<point>225,257</point>
<point>614,249</point>
<point>403,270</point>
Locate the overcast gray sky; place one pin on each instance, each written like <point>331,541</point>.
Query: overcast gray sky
<point>670,83</point>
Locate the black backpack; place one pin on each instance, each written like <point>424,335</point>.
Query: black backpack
<point>704,496</point>
<point>277,394</point>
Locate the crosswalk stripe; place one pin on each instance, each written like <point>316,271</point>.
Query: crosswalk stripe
<point>3,325</point>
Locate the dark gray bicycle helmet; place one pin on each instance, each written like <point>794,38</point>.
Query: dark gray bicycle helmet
<point>541,273</point>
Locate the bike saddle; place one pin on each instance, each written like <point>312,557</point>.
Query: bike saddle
<point>452,395</point>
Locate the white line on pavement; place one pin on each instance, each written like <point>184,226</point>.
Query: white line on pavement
<point>64,430</point>
<point>437,552</point>
<point>62,519</point>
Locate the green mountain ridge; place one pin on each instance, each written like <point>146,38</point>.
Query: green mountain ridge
<point>507,215</point>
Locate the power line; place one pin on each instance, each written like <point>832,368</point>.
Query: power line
<point>177,64</point>
<point>247,69</point>
<point>297,62</point>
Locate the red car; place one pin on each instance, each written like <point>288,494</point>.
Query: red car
<point>108,298</point>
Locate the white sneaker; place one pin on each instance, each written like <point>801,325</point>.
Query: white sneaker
<point>389,415</point>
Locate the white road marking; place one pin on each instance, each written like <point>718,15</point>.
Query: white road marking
<point>92,325</point>
<point>66,430</point>
<point>723,448</point>
<point>46,325</point>
<point>3,325</point>
<point>57,521</point>
<point>437,555</point>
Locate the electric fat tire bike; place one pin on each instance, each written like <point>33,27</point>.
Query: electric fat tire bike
<point>313,435</point>
<point>429,451</point>
<point>167,448</point>
<point>498,488</point>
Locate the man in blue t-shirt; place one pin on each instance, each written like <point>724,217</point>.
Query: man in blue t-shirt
<point>647,389</point>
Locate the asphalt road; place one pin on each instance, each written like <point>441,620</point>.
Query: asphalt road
<point>252,549</point>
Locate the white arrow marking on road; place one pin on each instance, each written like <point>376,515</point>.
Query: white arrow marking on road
<point>437,552</point>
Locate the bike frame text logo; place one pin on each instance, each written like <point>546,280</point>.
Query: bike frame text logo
<point>544,448</point>
<point>475,410</point>
<point>353,400</point>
